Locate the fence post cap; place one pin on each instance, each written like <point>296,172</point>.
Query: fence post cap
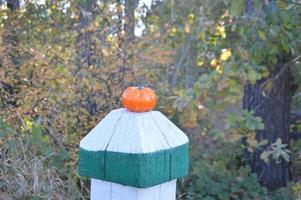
<point>134,149</point>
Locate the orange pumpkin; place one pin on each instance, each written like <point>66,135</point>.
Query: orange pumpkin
<point>139,99</point>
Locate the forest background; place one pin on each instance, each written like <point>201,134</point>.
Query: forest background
<point>226,72</point>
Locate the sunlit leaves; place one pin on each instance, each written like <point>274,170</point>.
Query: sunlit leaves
<point>172,31</point>
<point>63,70</point>
<point>200,62</point>
<point>220,31</point>
<point>225,54</point>
<point>276,151</point>
<point>27,125</point>
<point>219,69</point>
<point>191,18</point>
<point>214,62</point>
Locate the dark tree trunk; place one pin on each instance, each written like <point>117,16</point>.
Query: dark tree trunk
<point>85,55</point>
<point>274,108</point>
<point>248,7</point>
<point>9,58</point>
<point>130,6</point>
<point>126,40</point>
<point>84,43</point>
<point>13,4</point>
<point>10,39</point>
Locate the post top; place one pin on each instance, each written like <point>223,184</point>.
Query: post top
<point>132,132</point>
<point>134,149</point>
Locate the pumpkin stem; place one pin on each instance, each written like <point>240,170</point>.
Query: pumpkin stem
<point>140,84</point>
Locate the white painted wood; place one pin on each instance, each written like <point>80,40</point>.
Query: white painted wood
<point>172,133</point>
<point>130,132</point>
<point>102,190</point>
<point>99,137</point>
<point>126,138</point>
<point>122,131</point>
<point>168,190</point>
<point>150,193</point>
<point>151,137</point>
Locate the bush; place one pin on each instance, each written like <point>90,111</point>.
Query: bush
<point>222,173</point>
<point>31,167</point>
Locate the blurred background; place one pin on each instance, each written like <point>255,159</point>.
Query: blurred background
<point>226,72</point>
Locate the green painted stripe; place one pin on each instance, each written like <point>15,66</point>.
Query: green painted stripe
<point>137,170</point>
<point>91,164</point>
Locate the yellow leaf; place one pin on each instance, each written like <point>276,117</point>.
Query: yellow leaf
<point>191,18</point>
<point>225,55</point>
<point>109,38</point>
<point>173,31</point>
<point>200,63</point>
<point>219,69</point>
<point>213,62</point>
<point>221,31</point>
<point>27,125</point>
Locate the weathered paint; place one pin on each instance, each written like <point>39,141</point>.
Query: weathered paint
<point>129,132</point>
<point>134,149</point>
<point>137,170</point>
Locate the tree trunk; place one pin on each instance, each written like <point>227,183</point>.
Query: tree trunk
<point>126,39</point>
<point>274,109</point>
<point>10,55</point>
<point>84,43</point>
<point>13,4</point>
<point>85,55</point>
<point>129,8</point>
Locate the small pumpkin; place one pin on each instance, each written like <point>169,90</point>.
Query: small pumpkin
<point>139,99</point>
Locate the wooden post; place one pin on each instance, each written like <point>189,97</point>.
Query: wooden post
<point>134,156</point>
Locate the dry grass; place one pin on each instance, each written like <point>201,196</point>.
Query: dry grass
<point>28,177</point>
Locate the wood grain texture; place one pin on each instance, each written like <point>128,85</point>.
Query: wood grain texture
<point>102,190</point>
<point>138,170</point>
<point>134,149</point>
<point>130,132</point>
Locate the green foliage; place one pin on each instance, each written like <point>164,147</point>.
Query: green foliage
<point>5,130</point>
<point>219,173</point>
<point>64,65</point>
<point>270,35</point>
<point>237,7</point>
<point>247,121</point>
<point>222,172</point>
